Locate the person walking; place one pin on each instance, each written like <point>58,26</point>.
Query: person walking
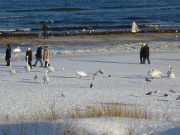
<point>146,54</point>
<point>134,28</point>
<point>46,56</point>
<point>8,54</point>
<point>142,53</point>
<point>29,59</point>
<point>38,55</point>
<point>45,30</point>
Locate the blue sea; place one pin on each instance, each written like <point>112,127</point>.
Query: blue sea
<point>75,15</point>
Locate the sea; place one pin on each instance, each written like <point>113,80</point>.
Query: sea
<point>28,16</point>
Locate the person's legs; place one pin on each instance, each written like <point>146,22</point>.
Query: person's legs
<point>144,60</point>
<point>8,62</point>
<point>148,60</point>
<point>35,63</point>
<point>29,62</point>
<point>41,62</point>
<point>141,59</point>
<point>45,64</point>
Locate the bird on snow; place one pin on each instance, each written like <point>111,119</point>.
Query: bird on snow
<point>172,91</point>
<point>178,98</point>
<point>109,75</point>
<point>49,68</point>
<point>147,80</point>
<point>62,68</point>
<point>165,95</point>
<point>157,91</point>
<point>91,85</point>
<point>80,73</point>
<point>11,71</point>
<point>62,95</point>
<point>149,93</point>
<point>17,49</point>
<point>35,77</point>
<point>101,71</point>
<point>95,74</point>
<point>154,73</point>
<point>27,67</point>
<point>170,72</point>
<point>46,78</point>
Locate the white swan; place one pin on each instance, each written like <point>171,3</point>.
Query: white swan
<point>49,68</point>
<point>11,71</point>
<point>170,72</point>
<point>17,49</point>
<point>80,73</point>
<point>27,67</point>
<point>154,73</point>
<point>46,78</point>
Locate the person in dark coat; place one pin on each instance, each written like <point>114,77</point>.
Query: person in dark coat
<point>141,53</point>
<point>8,54</point>
<point>146,54</point>
<point>38,55</point>
<point>29,54</point>
<point>45,30</point>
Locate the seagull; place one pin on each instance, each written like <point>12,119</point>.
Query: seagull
<point>172,91</point>
<point>35,77</point>
<point>165,95</point>
<point>149,93</point>
<point>62,68</point>
<point>46,78</point>
<point>91,85</point>
<point>17,49</point>
<point>11,71</point>
<point>83,30</point>
<point>147,80</point>
<point>101,71</point>
<point>80,73</point>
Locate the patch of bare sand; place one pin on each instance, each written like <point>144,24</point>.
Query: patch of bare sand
<point>56,39</point>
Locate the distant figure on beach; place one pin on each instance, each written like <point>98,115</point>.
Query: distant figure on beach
<point>45,30</point>
<point>29,59</point>
<point>8,54</point>
<point>46,56</point>
<point>38,55</point>
<point>141,53</point>
<point>134,29</point>
<point>146,54</point>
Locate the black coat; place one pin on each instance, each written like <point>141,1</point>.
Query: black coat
<point>30,55</point>
<point>8,54</point>
<point>39,53</point>
<point>146,51</point>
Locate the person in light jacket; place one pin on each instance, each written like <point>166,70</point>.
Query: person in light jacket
<point>134,28</point>
<point>46,56</point>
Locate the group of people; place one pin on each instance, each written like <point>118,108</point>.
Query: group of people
<point>144,54</point>
<point>29,54</point>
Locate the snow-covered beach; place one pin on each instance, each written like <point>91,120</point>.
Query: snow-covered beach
<point>123,82</point>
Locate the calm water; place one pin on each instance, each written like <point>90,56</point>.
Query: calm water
<point>63,15</point>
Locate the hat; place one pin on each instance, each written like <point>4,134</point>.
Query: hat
<point>133,21</point>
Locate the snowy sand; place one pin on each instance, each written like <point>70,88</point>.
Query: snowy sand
<point>21,94</point>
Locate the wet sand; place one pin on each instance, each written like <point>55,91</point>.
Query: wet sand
<point>18,39</point>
